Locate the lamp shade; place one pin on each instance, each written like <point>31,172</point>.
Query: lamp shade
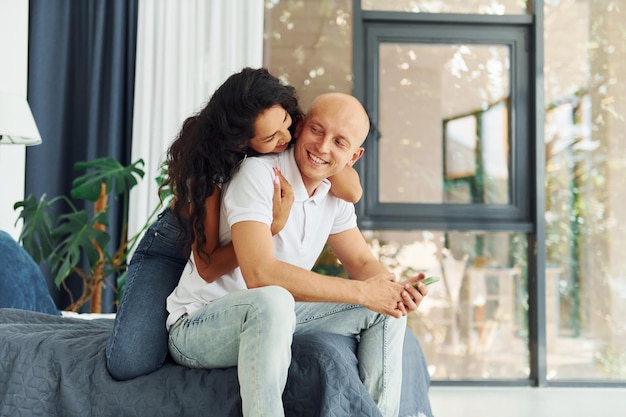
<point>17,124</point>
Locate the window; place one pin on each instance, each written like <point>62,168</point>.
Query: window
<point>476,167</point>
<point>526,233</point>
<point>585,76</point>
<point>447,6</point>
<point>450,105</point>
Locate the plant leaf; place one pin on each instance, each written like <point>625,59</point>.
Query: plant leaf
<point>118,178</point>
<point>36,236</point>
<point>76,234</point>
<point>165,192</point>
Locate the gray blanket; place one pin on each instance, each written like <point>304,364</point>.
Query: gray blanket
<point>55,366</point>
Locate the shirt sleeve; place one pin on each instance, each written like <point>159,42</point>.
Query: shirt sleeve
<point>248,195</point>
<point>345,218</point>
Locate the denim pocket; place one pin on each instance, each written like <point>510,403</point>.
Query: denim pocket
<point>166,228</point>
<point>175,333</point>
<point>162,239</point>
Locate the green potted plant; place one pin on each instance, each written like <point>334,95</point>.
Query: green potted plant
<point>64,242</point>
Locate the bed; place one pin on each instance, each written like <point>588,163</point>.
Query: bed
<point>54,366</point>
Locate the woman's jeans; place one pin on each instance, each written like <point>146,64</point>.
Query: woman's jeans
<point>138,343</point>
<point>253,329</point>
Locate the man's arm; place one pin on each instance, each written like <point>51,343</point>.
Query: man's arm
<point>357,258</point>
<point>253,244</point>
<point>221,259</point>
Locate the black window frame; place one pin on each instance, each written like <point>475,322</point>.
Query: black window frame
<point>393,27</point>
<point>534,225</point>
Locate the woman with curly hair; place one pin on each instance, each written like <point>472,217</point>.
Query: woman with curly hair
<point>206,152</point>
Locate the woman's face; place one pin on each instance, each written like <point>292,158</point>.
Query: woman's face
<point>271,130</point>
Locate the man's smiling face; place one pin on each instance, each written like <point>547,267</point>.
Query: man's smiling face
<point>329,137</point>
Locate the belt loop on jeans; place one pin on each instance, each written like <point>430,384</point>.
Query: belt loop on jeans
<point>163,213</point>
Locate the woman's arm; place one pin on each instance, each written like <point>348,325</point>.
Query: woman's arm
<point>222,259</point>
<point>346,185</point>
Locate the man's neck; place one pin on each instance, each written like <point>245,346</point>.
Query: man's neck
<point>310,186</point>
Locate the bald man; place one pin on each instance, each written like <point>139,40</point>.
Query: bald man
<point>248,317</point>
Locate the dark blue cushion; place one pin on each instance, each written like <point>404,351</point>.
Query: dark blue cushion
<point>22,284</point>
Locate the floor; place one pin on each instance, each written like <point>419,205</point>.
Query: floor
<point>527,402</point>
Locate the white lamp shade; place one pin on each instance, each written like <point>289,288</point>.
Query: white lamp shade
<point>17,124</point>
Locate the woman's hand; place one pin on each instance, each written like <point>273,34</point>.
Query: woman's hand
<point>283,200</point>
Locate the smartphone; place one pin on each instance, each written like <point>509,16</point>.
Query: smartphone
<point>428,281</point>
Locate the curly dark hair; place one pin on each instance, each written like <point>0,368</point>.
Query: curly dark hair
<point>212,143</point>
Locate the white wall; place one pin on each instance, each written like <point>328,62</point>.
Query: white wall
<point>13,79</point>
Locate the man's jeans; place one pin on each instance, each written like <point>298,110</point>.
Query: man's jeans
<point>253,330</point>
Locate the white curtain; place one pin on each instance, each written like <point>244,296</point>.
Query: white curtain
<point>185,50</point>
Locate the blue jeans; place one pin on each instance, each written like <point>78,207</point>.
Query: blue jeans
<point>138,343</point>
<point>253,329</point>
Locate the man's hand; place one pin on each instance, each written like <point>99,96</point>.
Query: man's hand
<point>412,296</point>
<point>384,295</point>
<point>282,202</point>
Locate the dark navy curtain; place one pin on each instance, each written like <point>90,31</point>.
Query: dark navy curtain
<point>81,75</point>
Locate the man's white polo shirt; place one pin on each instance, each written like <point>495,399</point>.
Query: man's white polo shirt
<point>248,197</point>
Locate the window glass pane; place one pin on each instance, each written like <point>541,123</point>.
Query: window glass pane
<point>495,150</point>
<point>308,44</point>
<point>449,6</point>
<point>473,323</point>
<point>585,91</point>
<point>443,122</point>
